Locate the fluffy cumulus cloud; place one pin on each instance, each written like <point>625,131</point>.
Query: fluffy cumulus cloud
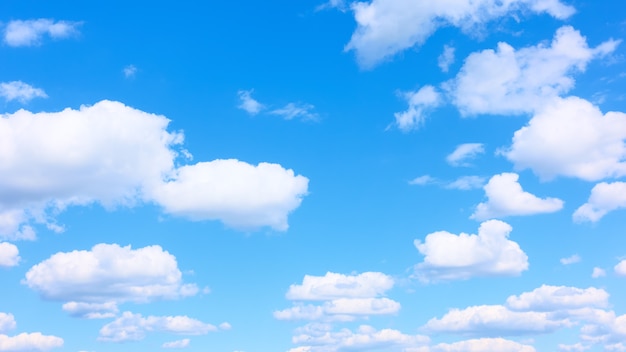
<point>571,137</point>
<point>249,104</point>
<point>620,268</point>
<point>115,155</point>
<point>551,298</point>
<point>420,103</point>
<point>345,297</point>
<point>483,345</point>
<point>465,152</point>
<point>35,341</point>
<point>489,253</point>
<point>177,344</point>
<point>321,338</point>
<point>7,322</point>
<point>237,193</point>
<point>93,282</point>
<point>9,254</point>
<point>604,198</point>
<point>133,327</point>
<point>505,197</point>
<point>20,91</point>
<point>31,32</point>
<point>386,27</point>
<point>508,81</point>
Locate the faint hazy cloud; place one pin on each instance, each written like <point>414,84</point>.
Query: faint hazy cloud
<point>571,260</point>
<point>31,32</point>
<point>130,71</point>
<point>420,103</point>
<point>296,110</point>
<point>465,152</point>
<point>20,91</point>
<point>446,58</point>
<point>249,104</point>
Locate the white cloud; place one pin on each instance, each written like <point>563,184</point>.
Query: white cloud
<point>31,32</point>
<point>296,110</point>
<point>332,4</point>
<point>604,198</point>
<point>490,253</point>
<point>7,322</point>
<point>465,152</point>
<point>483,345</point>
<point>249,104</point>
<point>177,344</point>
<point>570,260</point>
<point>420,103</point>
<point>386,27</point>
<point>507,81</point>
<point>620,268</point>
<point>571,137</point>
<point>505,197</point>
<point>133,327</point>
<point>115,155</point>
<point>446,58</point>
<point>466,183</point>
<point>95,281</point>
<point>574,347</point>
<point>343,309</point>
<point>20,91</point>
<point>29,342</point>
<point>493,320</point>
<point>239,194</point>
<point>598,272</point>
<point>9,255</point>
<point>423,180</point>
<point>130,71</point>
<point>335,286</point>
<point>551,298</point>
<point>319,338</point>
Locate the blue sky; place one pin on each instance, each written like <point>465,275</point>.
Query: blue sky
<point>384,175</point>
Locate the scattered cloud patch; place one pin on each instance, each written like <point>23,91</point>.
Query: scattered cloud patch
<point>571,137</point>
<point>31,32</point>
<point>620,268</point>
<point>483,345</point>
<point>387,27</point>
<point>35,341</point>
<point>453,257</point>
<point>505,197</point>
<point>570,260</point>
<point>320,338</point>
<point>296,110</point>
<point>420,103</point>
<point>129,71</point>
<point>9,255</point>
<point>249,104</point>
<point>552,298</point>
<point>508,81</point>
<point>177,344</point>
<point>423,180</point>
<point>446,58</point>
<point>598,272</point>
<point>466,183</point>
<point>133,327</point>
<point>333,4</point>
<point>20,91</point>
<point>7,322</point>
<point>604,198</point>
<point>94,282</point>
<point>465,152</point>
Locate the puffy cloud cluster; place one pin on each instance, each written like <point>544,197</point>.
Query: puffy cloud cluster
<point>386,27</point>
<point>9,255</point>
<point>508,81</point>
<point>345,297</point>
<point>31,32</point>
<point>605,197</point>
<point>35,341</point>
<point>133,327</point>
<point>92,283</point>
<point>505,197</point>
<point>452,257</point>
<point>112,154</point>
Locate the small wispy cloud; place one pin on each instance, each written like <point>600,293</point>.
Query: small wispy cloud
<point>446,58</point>
<point>465,152</point>
<point>130,71</point>
<point>463,183</point>
<point>571,260</point>
<point>249,104</point>
<point>20,91</point>
<point>296,110</point>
